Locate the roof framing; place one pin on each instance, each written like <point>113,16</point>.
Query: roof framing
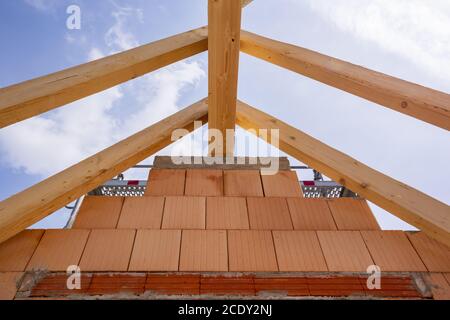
<point>34,97</point>
<point>31,98</point>
<point>32,205</point>
<point>408,98</point>
<point>410,205</point>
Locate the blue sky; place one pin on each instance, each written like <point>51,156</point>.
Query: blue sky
<point>409,39</point>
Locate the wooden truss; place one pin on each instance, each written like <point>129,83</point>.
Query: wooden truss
<point>224,40</point>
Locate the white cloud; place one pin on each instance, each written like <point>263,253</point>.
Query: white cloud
<point>47,144</point>
<point>416,30</point>
<point>95,54</point>
<point>117,36</point>
<point>161,101</point>
<point>43,5</point>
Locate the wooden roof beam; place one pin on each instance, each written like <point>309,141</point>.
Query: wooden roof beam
<point>408,98</point>
<point>32,205</point>
<point>34,97</point>
<point>246,3</point>
<point>410,205</point>
<point>224,47</point>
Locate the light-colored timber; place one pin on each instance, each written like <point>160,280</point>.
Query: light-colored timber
<point>408,98</point>
<point>30,206</point>
<point>224,46</point>
<point>410,205</point>
<point>34,97</point>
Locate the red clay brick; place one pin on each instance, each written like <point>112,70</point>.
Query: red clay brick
<point>141,213</point>
<point>398,280</point>
<point>156,250</point>
<point>204,250</point>
<point>447,277</point>
<point>338,292</point>
<point>172,290</point>
<point>56,285</point>
<point>213,280</point>
<point>58,250</point>
<point>299,251</point>
<point>243,183</point>
<point>227,291</point>
<point>290,285</point>
<point>390,283</point>
<point>108,251</point>
<point>353,215</point>
<point>203,182</point>
<point>166,182</point>
<point>251,251</point>
<point>439,286</point>
<point>105,284</point>
<point>345,251</point>
<point>269,214</point>
<point>393,287</point>
<point>282,184</point>
<point>173,279</point>
<point>17,251</point>
<point>311,214</point>
<point>99,213</point>
<point>184,213</point>
<point>173,284</point>
<point>352,281</point>
<point>393,293</point>
<point>435,255</point>
<point>226,213</point>
<point>335,287</point>
<point>392,251</point>
<point>238,286</point>
<point>8,284</point>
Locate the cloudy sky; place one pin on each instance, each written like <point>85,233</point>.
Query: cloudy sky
<point>409,39</point>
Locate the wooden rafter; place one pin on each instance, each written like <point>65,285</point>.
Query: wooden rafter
<point>408,98</point>
<point>224,45</point>
<point>34,97</point>
<point>410,205</point>
<point>31,98</point>
<point>32,205</point>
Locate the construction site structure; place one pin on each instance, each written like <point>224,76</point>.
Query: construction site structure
<point>223,231</point>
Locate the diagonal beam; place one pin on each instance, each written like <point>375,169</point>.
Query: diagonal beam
<point>246,3</point>
<point>224,18</point>
<point>408,98</point>
<point>34,97</point>
<point>410,205</point>
<point>32,205</point>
